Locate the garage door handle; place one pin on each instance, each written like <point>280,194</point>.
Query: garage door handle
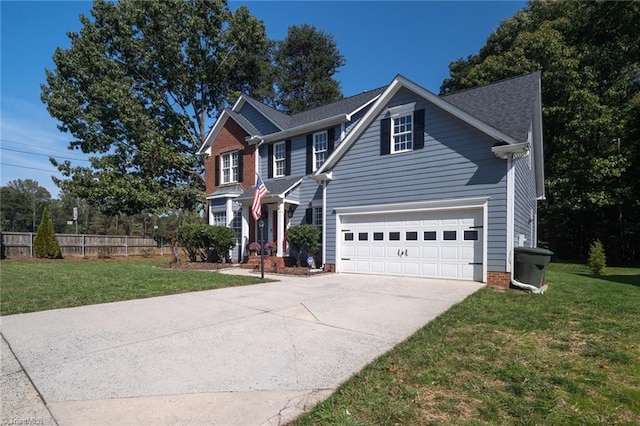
<point>399,252</point>
<point>405,253</point>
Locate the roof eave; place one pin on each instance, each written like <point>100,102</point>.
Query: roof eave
<point>503,151</point>
<point>316,125</point>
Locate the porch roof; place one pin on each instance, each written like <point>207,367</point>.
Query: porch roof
<point>277,186</point>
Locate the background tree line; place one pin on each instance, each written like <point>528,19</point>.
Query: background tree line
<point>589,54</point>
<point>23,202</point>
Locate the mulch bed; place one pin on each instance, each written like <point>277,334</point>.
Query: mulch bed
<point>209,266</point>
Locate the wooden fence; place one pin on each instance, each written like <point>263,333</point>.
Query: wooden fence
<point>20,244</point>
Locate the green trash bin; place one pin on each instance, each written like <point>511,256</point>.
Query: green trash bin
<point>531,264</point>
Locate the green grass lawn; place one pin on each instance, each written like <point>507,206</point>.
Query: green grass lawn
<point>570,356</point>
<point>28,286</point>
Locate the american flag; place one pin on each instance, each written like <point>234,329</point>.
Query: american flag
<point>258,194</point>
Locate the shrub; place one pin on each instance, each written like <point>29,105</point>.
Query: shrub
<point>219,239</point>
<point>304,238</point>
<point>196,239</point>
<point>45,244</point>
<point>597,258</point>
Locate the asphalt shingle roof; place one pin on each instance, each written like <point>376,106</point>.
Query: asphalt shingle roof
<point>274,186</point>
<point>343,106</point>
<point>506,105</point>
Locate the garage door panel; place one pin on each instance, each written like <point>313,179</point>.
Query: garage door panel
<point>448,270</point>
<point>378,252</point>
<point>449,253</point>
<point>363,251</point>
<point>429,253</point>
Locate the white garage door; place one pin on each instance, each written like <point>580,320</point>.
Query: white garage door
<point>445,244</point>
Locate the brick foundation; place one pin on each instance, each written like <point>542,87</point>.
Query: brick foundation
<point>499,279</point>
<point>329,267</point>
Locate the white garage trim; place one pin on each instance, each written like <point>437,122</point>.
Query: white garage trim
<point>416,207</point>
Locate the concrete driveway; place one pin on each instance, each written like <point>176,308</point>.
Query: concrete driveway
<point>250,355</point>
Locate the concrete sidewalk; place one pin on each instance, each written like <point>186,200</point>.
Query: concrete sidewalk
<point>260,354</point>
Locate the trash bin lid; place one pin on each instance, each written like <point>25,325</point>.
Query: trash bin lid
<point>534,250</point>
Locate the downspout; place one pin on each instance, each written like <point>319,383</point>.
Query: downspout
<point>324,223</point>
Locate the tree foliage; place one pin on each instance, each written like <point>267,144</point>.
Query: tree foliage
<point>306,62</point>
<point>137,89</point>
<point>45,244</point>
<point>589,54</point>
<point>305,239</point>
<point>22,203</point>
<point>198,239</point>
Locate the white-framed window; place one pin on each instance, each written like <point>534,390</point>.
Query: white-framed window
<point>229,167</point>
<point>219,218</point>
<point>279,159</point>
<point>317,217</point>
<point>402,133</point>
<point>236,225</point>
<point>320,143</point>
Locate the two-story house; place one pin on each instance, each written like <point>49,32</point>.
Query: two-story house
<point>399,180</point>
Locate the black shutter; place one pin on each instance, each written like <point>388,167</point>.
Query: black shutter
<point>308,216</point>
<point>287,157</point>
<point>240,165</point>
<point>418,129</point>
<point>216,169</point>
<point>331,134</point>
<point>270,161</point>
<point>309,154</point>
<point>385,136</point>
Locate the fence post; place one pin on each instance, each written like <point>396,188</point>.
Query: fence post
<point>30,244</point>
<point>84,243</point>
<point>126,246</point>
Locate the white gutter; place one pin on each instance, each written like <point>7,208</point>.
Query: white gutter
<point>327,122</point>
<point>504,151</point>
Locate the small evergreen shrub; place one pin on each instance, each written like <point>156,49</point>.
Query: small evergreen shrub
<point>197,239</point>
<point>305,239</point>
<point>597,258</point>
<point>45,244</point>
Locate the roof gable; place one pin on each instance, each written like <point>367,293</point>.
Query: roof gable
<point>381,103</point>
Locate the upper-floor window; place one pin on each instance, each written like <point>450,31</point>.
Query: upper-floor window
<point>319,149</point>
<point>402,133</point>
<point>229,167</point>
<point>279,159</point>
<point>402,129</point>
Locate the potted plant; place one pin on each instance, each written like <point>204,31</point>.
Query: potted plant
<point>253,248</point>
<point>272,247</point>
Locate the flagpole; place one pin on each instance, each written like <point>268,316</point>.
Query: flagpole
<point>261,227</point>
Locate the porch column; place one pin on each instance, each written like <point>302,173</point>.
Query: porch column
<point>280,232</point>
<point>324,222</point>
<point>229,216</point>
<point>245,231</point>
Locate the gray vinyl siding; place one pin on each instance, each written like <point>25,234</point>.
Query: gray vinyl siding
<point>257,119</point>
<point>456,162</point>
<point>524,200</point>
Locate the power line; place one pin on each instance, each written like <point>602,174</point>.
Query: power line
<point>42,155</point>
<point>33,145</point>
<point>32,168</point>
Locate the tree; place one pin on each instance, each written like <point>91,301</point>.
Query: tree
<point>306,62</point>
<point>22,203</point>
<point>305,239</point>
<point>137,89</point>
<point>589,56</point>
<point>45,244</point>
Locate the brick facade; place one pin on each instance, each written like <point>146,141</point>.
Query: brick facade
<point>231,138</point>
<point>498,279</point>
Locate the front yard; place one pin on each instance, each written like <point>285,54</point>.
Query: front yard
<point>570,356</point>
<point>31,285</point>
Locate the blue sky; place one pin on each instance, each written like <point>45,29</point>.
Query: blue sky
<point>378,38</point>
